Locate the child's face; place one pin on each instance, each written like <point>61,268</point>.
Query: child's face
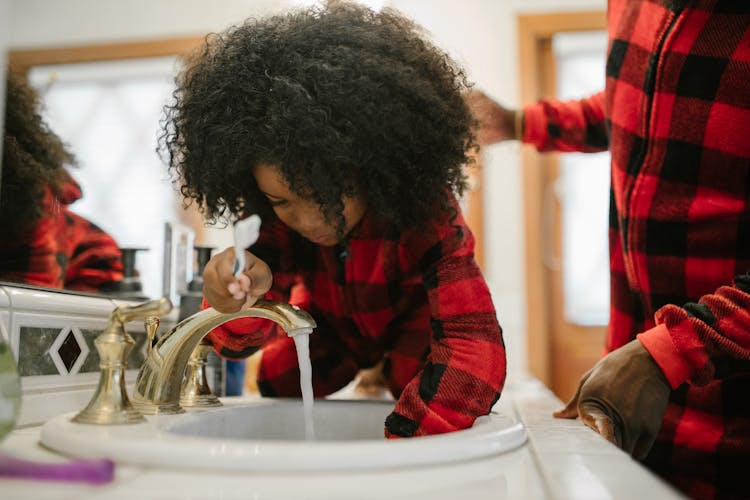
<point>303,215</point>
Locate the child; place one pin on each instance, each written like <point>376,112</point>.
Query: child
<point>43,243</point>
<point>346,131</point>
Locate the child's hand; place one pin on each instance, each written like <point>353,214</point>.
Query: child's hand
<point>228,294</point>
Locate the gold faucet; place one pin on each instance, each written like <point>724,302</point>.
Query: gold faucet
<point>157,387</point>
<point>195,392</point>
<point>110,403</point>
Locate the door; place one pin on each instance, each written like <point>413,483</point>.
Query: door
<point>565,205</point>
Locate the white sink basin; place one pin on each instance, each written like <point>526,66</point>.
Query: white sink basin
<point>268,435</point>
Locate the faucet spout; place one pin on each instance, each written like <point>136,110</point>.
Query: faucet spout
<point>157,387</point>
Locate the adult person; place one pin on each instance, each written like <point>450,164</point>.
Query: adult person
<point>674,389</point>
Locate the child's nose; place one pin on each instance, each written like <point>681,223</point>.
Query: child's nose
<point>306,221</point>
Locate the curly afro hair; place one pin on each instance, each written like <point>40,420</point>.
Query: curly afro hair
<point>34,158</point>
<point>343,101</point>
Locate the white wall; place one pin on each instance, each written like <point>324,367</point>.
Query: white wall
<point>480,34</point>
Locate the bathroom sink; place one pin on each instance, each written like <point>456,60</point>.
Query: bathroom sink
<point>269,435</point>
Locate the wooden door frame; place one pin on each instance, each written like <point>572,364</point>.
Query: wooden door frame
<point>474,212</point>
<point>535,32</point>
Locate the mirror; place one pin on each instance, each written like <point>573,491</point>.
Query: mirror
<point>107,113</point>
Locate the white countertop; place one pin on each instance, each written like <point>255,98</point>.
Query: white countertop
<point>562,459</point>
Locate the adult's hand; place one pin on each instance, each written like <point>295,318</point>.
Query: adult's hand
<point>497,123</point>
<point>623,398</point>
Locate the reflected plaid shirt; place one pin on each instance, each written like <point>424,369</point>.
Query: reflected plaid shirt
<point>415,299</point>
<point>63,249</point>
<point>676,117</point>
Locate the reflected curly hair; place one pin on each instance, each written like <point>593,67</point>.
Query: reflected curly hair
<point>342,100</point>
<point>34,158</point>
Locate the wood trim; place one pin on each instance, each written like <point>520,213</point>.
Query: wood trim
<point>474,213</point>
<point>534,31</point>
<point>22,60</point>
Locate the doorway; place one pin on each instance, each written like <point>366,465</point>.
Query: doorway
<point>565,215</point>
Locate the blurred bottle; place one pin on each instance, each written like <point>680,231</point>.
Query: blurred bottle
<point>130,288</point>
<point>190,300</point>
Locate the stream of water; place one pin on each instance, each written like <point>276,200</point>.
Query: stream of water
<point>302,343</point>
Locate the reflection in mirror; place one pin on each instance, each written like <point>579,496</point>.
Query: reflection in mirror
<point>107,113</point>
<point>45,243</point>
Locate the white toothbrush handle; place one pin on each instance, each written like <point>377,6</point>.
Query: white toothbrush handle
<point>239,262</point>
<point>246,233</point>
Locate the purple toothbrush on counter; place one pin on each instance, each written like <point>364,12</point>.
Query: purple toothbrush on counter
<point>97,471</point>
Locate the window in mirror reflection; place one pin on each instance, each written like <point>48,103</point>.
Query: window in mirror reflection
<point>583,187</point>
<point>108,115</point>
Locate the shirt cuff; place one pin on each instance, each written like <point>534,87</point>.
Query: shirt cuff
<point>658,343</point>
<point>534,125</point>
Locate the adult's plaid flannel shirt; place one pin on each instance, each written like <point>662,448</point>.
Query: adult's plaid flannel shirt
<point>675,115</point>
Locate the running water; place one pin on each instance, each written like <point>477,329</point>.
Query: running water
<point>302,343</point>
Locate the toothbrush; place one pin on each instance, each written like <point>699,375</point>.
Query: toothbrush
<point>97,471</point>
<point>246,232</point>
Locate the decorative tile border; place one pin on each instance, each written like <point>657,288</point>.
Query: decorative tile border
<point>67,350</point>
<point>52,335</point>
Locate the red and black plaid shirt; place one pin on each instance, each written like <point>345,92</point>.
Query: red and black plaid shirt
<point>415,299</point>
<point>676,118</point>
<point>62,250</point>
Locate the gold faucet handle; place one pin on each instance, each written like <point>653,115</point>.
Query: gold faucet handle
<point>110,403</point>
<point>158,307</point>
<point>152,324</point>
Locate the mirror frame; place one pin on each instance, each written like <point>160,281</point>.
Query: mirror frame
<point>23,60</point>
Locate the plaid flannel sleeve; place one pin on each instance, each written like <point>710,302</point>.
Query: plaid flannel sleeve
<point>704,340</point>
<point>577,125</point>
<point>239,338</point>
<point>465,370</point>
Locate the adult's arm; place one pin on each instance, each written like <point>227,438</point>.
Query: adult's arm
<point>624,396</point>
<point>703,341</point>
<point>566,126</point>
